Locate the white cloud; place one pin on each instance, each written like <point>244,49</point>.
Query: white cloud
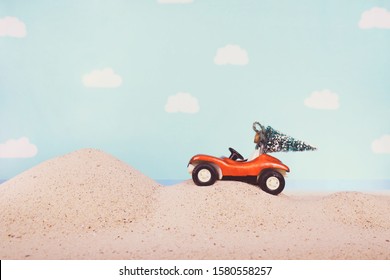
<point>231,54</point>
<point>182,102</point>
<point>174,1</point>
<point>18,148</point>
<point>324,99</point>
<point>381,145</point>
<point>375,18</point>
<point>13,27</point>
<point>105,78</point>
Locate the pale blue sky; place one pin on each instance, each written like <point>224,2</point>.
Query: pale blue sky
<point>285,52</point>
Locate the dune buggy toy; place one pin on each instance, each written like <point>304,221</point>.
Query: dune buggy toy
<point>264,170</point>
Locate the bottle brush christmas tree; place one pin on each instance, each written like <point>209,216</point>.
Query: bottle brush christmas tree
<point>271,140</point>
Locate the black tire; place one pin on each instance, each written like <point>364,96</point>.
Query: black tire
<point>204,175</point>
<point>271,181</point>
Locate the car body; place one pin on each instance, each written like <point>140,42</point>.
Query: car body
<point>264,170</point>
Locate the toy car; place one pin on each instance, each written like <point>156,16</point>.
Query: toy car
<point>264,170</point>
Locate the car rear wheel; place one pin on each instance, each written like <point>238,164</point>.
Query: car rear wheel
<point>272,182</point>
<point>204,175</point>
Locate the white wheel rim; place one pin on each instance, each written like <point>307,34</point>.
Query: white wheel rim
<point>272,183</point>
<point>204,175</point>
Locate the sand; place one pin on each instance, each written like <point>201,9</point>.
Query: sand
<point>90,205</point>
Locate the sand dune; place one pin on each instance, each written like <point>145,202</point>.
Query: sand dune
<point>89,205</point>
<point>84,190</point>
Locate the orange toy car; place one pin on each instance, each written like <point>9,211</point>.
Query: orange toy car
<point>266,171</point>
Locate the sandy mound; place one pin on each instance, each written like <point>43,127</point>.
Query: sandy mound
<point>232,220</point>
<point>359,210</point>
<point>89,205</point>
<point>86,190</point>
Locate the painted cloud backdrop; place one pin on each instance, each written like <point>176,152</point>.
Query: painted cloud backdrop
<point>105,78</point>
<point>12,27</point>
<point>154,82</point>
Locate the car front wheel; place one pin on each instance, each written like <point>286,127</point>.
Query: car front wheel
<point>272,182</point>
<point>204,175</point>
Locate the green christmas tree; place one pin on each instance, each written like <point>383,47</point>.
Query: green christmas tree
<point>272,141</point>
